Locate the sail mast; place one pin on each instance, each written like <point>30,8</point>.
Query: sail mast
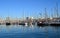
<point>46,16</point>
<point>57,15</point>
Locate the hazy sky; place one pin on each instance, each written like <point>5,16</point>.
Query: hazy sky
<point>26,8</point>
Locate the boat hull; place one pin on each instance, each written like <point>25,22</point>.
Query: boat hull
<point>55,24</point>
<point>8,23</point>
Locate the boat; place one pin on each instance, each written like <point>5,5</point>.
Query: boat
<point>21,23</point>
<point>55,23</point>
<point>7,23</point>
<point>40,24</point>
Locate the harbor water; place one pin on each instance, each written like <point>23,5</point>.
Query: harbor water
<point>19,31</point>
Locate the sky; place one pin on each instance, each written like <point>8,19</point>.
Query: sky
<point>27,8</point>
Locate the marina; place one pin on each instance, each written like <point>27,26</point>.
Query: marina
<point>44,19</point>
<point>39,22</point>
<point>29,18</point>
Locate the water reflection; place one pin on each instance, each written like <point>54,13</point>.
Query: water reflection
<point>19,31</point>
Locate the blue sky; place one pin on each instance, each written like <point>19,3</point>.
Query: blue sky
<point>26,8</point>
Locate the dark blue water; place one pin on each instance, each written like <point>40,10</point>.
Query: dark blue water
<point>18,31</point>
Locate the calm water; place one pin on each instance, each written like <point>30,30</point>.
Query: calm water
<point>19,31</point>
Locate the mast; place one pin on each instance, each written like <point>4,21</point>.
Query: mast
<point>46,16</point>
<point>40,15</point>
<point>23,14</point>
<point>51,13</point>
<point>57,14</point>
